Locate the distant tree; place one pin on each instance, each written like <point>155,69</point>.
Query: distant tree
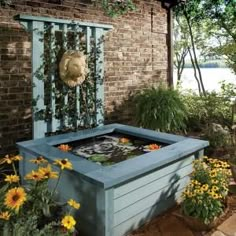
<point>222,26</point>
<point>191,14</point>
<point>181,42</point>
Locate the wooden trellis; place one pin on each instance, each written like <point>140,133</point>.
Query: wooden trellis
<point>44,33</point>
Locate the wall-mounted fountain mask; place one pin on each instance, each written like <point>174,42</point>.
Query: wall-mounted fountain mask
<point>73,68</point>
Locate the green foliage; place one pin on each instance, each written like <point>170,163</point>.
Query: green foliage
<point>115,8</point>
<point>213,108</point>
<point>215,21</point>
<point>160,109</point>
<point>5,2</point>
<point>204,197</point>
<point>66,109</point>
<point>31,209</point>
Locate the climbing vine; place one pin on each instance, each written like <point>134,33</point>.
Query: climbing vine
<point>5,2</point>
<point>65,107</point>
<point>114,8</point>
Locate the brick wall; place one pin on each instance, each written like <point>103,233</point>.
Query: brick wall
<point>135,58</point>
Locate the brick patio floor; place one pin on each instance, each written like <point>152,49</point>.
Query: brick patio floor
<point>170,225</point>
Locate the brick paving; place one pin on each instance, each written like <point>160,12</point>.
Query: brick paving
<point>170,225</point>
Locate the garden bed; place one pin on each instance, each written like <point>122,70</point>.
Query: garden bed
<point>117,199</point>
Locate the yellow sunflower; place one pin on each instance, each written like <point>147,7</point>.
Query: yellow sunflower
<point>205,187</point>
<point>5,215</point>
<point>35,175</point>
<point>64,164</point>
<point>12,178</point>
<point>10,159</point>
<point>15,198</point>
<point>47,172</point>
<point>68,222</point>
<point>39,160</point>
<point>214,188</point>
<point>17,158</point>
<point>74,204</point>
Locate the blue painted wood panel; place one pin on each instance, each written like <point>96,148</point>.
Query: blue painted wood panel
<point>154,176</point>
<point>150,188</point>
<point>98,34</point>
<point>146,215</point>
<point>39,126</point>
<point>149,201</point>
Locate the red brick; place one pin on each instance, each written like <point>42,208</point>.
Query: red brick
<point>135,58</point>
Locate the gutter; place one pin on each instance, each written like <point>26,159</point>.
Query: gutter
<point>168,5</point>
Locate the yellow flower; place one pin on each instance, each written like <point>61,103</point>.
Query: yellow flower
<point>17,158</point>
<point>12,179</point>
<point>64,164</point>
<point>5,215</point>
<point>39,160</point>
<point>35,175</point>
<point>68,222</point>
<point>225,165</point>
<point>74,204</point>
<point>200,191</point>
<point>10,159</point>
<point>15,198</point>
<point>214,188</point>
<point>214,181</point>
<point>205,187</point>
<point>47,172</point>
<point>215,196</point>
<point>213,173</point>
<point>64,147</point>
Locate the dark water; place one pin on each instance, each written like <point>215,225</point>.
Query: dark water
<point>111,148</point>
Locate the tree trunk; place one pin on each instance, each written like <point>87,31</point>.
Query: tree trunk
<point>194,54</point>
<point>195,72</point>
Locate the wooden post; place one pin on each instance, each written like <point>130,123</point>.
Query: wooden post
<point>99,76</point>
<point>39,126</point>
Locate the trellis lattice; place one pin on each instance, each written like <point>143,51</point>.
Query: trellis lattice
<point>56,106</point>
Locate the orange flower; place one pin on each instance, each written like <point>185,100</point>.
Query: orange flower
<point>153,147</point>
<point>64,147</point>
<point>15,198</point>
<point>124,140</point>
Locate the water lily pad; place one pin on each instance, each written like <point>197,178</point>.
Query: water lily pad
<point>98,158</point>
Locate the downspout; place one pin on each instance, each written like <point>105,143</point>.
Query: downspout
<point>168,5</point>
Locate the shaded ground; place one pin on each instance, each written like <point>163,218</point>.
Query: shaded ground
<point>170,225</point>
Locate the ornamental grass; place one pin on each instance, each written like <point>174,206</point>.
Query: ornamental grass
<point>204,197</point>
<point>31,209</point>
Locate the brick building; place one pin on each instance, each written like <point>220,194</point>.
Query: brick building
<point>137,55</point>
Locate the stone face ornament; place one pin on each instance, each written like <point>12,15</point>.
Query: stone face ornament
<point>73,68</point>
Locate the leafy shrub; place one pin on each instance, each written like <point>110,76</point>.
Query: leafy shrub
<point>160,109</point>
<point>212,108</point>
<point>31,209</point>
<point>204,197</point>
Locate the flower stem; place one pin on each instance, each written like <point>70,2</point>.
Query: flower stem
<point>54,190</point>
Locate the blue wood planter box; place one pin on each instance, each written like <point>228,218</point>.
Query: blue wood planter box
<point>119,198</point>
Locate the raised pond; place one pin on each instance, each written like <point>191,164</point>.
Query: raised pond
<point>111,148</point>
<point>119,197</point>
